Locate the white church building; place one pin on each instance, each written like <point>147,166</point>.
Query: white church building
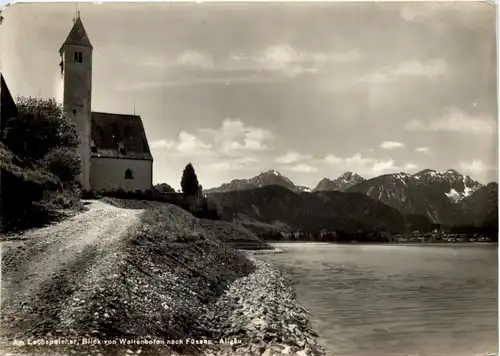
<point>113,147</point>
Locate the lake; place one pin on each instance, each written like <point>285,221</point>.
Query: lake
<point>371,300</point>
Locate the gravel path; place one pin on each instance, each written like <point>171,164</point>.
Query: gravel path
<point>42,269</point>
<point>151,271</point>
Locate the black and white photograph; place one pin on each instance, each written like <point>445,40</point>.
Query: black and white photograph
<point>249,178</point>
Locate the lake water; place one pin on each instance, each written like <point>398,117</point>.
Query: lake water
<point>397,299</point>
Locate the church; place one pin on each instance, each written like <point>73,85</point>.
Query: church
<point>113,148</point>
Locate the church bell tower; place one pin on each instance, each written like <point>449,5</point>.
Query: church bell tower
<point>76,73</point>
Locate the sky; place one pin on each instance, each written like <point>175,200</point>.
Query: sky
<point>309,89</point>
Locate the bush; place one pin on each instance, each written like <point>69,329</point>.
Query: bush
<point>211,210</point>
<point>164,188</point>
<point>36,157</point>
<point>90,194</point>
<point>64,162</point>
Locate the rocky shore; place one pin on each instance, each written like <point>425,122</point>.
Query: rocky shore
<point>260,314</point>
<point>147,272</point>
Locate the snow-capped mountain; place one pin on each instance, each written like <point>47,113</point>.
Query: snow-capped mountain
<point>264,179</point>
<point>460,186</point>
<point>428,192</point>
<point>448,198</point>
<point>345,181</point>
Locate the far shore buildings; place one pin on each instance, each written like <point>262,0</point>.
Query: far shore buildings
<point>113,147</point>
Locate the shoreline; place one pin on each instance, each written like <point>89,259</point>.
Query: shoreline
<point>382,243</point>
<point>261,311</point>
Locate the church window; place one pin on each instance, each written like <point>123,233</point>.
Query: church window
<point>128,174</point>
<point>93,147</point>
<point>78,57</point>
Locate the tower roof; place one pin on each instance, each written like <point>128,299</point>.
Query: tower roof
<point>77,36</point>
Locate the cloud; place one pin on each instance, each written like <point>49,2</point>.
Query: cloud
<point>475,166</point>
<point>234,137</point>
<point>429,69</point>
<point>419,12</point>
<point>161,144</point>
<point>292,157</point>
<point>243,163</point>
<point>358,159</point>
<point>195,59</point>
<point>184,144</point>
<point>232,141</point>
<point>467,13</point>
<point>422,149</point>
<point>190,144</point>
<point>456,120</point>
<point>410,166</point>
<point>302,168</point>
<point>198,80</point>
<point>380,167</point>
<point>289,61</point>
<point>188,58</point>
<point>150,61</point>
<point>363,165</point>
<point>389,145</point>
<point>272,64</point>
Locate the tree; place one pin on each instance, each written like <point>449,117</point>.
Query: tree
<point>39,127</point>
<point>189,182</point>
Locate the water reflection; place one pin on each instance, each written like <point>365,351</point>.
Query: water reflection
<point>396,299</point>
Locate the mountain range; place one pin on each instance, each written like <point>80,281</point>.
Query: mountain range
<point>340,184</point>
<point>275,206</point>
<point>434,194</point>
<point>422,199</point>
<point>264,179</point>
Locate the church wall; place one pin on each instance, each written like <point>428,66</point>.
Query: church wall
<point>109,173</point>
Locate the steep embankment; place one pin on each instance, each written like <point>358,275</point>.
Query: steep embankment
<point>149,272</point>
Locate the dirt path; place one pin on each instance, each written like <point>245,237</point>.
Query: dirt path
<point>43,268</point>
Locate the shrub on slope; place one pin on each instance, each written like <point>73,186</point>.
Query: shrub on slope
<point>39,164</point>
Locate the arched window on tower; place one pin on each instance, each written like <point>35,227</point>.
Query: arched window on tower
<point>93,146</point>
<point>128,174</point>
